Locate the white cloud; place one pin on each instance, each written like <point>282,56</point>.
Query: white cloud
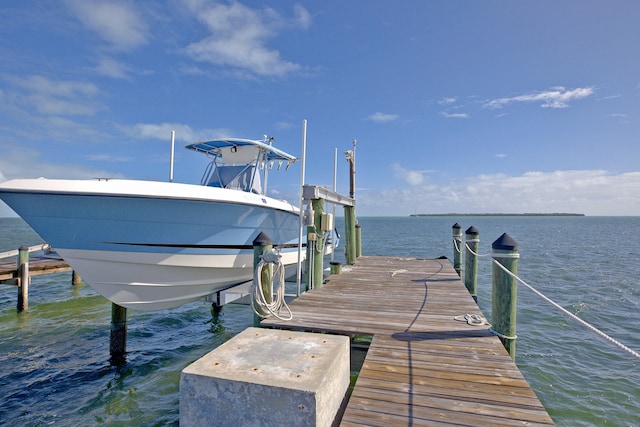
<point>302,16</point>
<point>108,158</point>
<point>162,131</point>
<point>382,117</point>
<point>411,177</point>
<point>455,115</point>
<point>447,101</point>
<point>116,22</point>
<point>111,68</point>
<point>501,155</point>
<point>239,38</point>
<point>21,162</point>
<point>556,97</point>
<point>592,192</point>
<point>55,97</point>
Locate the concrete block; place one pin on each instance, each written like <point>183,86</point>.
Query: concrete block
<point>267,377</point>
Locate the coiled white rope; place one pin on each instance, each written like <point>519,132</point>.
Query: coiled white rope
<point>571,315</point>
<point>479,320</point>
<point>259,303</point>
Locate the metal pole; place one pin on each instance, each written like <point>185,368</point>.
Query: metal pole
<point>333,206</point>
<point>173,140</point>
<point>304,159</point>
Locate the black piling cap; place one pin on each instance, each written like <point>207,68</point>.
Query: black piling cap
<point>456,225</point>
<point>262,240</point>
<point>472,230</point>
<point>505,243</point>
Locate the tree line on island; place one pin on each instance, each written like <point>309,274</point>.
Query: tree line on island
<point>500,214</point>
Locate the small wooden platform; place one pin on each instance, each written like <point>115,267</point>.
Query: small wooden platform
<point>424,367</point>
<point>37,266</point>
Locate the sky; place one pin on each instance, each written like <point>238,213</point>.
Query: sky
<point>456,106</point>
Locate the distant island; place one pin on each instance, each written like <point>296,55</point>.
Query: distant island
<point>502,214</point>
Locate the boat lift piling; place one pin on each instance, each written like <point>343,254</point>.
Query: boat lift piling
<point>261,244</point>
<point>315,240</point>
<point>118,335</point>
<point>23,278</point>
<point>317,195</point>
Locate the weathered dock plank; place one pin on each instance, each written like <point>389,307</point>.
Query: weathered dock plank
<point>424,366</point>
<point>37,266</point>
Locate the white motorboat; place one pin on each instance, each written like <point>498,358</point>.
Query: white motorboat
<point>151,245</point>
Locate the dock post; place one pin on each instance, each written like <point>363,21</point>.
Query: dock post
<point>471,261</point>
<point>457,246</point>
<point>350,231</point>
<point>336,267</point>
<point>503,313</point>
<point>23,278</point>
<point>358,240</point>
<point>118,337</point>
<point>318,255</point>
<point>75,279</point>
<point>261,244</point>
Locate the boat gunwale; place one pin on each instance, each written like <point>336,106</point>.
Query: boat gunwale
<point>240,197</point>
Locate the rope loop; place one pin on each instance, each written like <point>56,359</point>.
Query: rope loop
<point>504,337</point>
<point>259,302</point>
<point>456,241</point>
<point>271,257</point>
<point>505,255</point>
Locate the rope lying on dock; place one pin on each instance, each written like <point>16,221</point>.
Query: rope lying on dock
<point>259,302</point>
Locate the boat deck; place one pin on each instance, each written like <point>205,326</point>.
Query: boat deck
<point>425,364</point>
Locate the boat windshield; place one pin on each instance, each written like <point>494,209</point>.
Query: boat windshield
<point>240,164</point>
<point>243,178</point>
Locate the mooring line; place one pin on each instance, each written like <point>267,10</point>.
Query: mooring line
<point>571,315</point>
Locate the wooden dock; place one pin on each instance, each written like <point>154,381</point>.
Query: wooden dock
<point>425,364</point>
<point>37,266</point>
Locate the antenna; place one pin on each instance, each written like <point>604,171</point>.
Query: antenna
<point>173,139</point>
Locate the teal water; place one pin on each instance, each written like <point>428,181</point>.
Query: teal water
<point>55,357</point>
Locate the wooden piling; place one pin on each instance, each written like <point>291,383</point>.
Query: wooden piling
<point>350,231</point>
<point>261,244</point>
<point>118,337</point>
<point>471,261</point>
<point>457,246</point>
<point>23,278</point>
<point>75,279</point>
<point>503,314</point>
<point>358,241</point>
<point>317,247</point>
<point>336,267</point>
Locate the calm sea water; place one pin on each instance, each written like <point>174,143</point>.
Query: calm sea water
<point>55,357</point>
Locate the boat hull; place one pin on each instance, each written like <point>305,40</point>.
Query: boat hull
<point>150,245</point>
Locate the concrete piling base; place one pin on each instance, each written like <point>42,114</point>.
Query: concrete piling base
<point>267,377</point>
